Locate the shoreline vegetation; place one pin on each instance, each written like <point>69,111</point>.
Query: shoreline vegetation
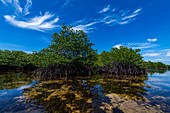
<point>71,54</point>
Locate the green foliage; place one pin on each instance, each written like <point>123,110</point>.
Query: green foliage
<point>155,64</point>
<point>128,55</point>
<point>66,46</point>
<point>14,58</point>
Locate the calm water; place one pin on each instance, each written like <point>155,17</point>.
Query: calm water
<point>19,92</point>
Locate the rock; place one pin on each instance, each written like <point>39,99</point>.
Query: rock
<point>129,106</point>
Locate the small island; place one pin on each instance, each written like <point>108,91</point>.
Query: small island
<point>70,76</point>
<point>71,53</point>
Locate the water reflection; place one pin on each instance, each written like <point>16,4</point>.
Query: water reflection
<point>159,93</point>
<point>20,93</point>
<point>12,80</point>
<point>81,94</point>
<point>160,71</point>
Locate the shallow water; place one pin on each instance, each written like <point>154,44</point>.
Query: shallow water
<point>19,92</point>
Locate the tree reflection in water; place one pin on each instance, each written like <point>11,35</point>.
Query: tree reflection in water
<point>160,71</point>
<point>12,80</point>
<point>78,94</point>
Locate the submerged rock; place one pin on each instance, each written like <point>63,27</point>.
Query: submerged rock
<point>120,105</point>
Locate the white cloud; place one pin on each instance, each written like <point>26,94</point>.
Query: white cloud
<point>145,47</point>
<point>168,53</point>
<point>129,16</point>
<point>157,60</point>
<point>160,60</point>
<point>106,17</point>
<point>36,23</point>
<point>138,10</point>
<point>142,45</point>
<point>126,22</point>
<point>66,3</point>
<point>85,27</point>
<point>166,50</point>
<point>152,40</point>
<point>162,83</point>
<point>155,79</point>
<point>17,6</point>
<point>3,1</point>
<point>121,17</point>
<point>114,10</point>
<point>151,54</point>
<point>45,39</point>
<point>8,45</point>
<point>29,52</point>
<point>117,46</point>
<point>27,7</point>
<point>6,2</point>
<point>109,18</point>
<point>111,21</point>
<point>138,44</point>
<point>105,9</point>
<point>39,23</point>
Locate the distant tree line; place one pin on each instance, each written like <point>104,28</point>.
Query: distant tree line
<point>156,65</point>
<point>68,45</point>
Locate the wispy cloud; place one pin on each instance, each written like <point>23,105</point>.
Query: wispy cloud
<point>40,23</point>
<point>120,17</point>
<point>85,27</point>
<point>142,45</point>
<point>109,18</point>
<point>157,60</point>
<point>105,9</point>
<point>130,16</point>
<point>138,46</point>
<point>160,55</point>
<point>151,54</point>
<point>137,11</point>
<point>15,4</point>
<point>145,47</point>
<point>66,3</point>
<point>168,54</point>
<point>45,39</point>
<point>29,52</point>
<point>27,7</point>
<point>165,50</point>
<point>37,23</point>
<point>117,46</point>
<point>8,45</point>
<point>162,83</point>
<point>155,79</point>
<point>152,40</point>
<point>6,2</point>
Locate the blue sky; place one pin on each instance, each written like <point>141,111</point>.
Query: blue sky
<point>27,25</point>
